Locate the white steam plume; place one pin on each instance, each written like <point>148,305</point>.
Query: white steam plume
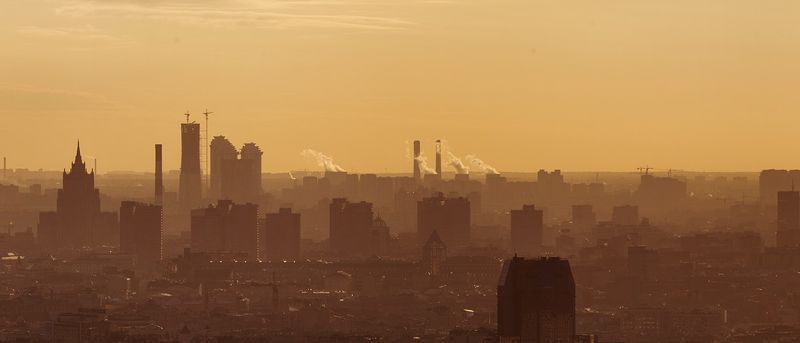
<point>291,176</point>
<point>322,160</point>
<point>456,163</point>
<point>422,161</point>
<point>480,164</point>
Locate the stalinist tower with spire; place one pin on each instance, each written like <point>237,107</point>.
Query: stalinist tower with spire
<point>78,221</point>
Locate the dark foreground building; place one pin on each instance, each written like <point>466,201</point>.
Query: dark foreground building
<point>536,301</point>
<point>281,236</point>
<point>140,232</point>
<point>226,227</point>
<point>449,217</point>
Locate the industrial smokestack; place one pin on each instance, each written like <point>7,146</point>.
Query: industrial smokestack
<point>417,173</point>
<point>438,157</point>
<point>159,177</point>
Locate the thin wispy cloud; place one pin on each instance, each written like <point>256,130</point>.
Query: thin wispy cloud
<point>264,14</point>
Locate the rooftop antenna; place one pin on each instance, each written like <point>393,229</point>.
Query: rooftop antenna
<point>208,168</point>
<point>187,116</point>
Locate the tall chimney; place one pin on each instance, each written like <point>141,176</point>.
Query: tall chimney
<point>439,157</point>
<point>159,177</point>
<point>417,174</point>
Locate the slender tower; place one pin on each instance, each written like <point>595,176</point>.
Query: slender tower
<point>417,173</point>
<point>189,192</point>
<point>159,196</point>
<point>439,157</point>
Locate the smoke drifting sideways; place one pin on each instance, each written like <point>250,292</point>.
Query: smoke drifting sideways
<point>423,165</point>
<point>481,164</point>
<point>322,160</point>
<point>456,163</point>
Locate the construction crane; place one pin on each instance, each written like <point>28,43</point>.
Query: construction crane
<point>207,156</point>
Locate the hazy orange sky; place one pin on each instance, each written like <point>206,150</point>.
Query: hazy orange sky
<point>528,84</point>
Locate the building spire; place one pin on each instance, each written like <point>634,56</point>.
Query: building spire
<point>78,158</point>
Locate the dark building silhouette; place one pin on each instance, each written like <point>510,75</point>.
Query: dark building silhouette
<point>434,255</point>
<point>450,217</point>
<point>140,231</point>
<point>625,215</point>
<point>239,179</point>
<point>788,225</point>
<point>226,227</point>
<point>159,189</point>
<point>439,158</point>
<point>281,236</point>
<point>527,228</point>
<point>661,191</point>
<point>536,301</point>
<point>221,150</point>
<point>583,216</point>
<point>772,181</point>
<point>350,226</point>
<point>78,221</point>
<point>190,187</point>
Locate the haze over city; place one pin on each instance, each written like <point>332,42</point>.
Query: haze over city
<point>577,85</point>
<point>443,171</point>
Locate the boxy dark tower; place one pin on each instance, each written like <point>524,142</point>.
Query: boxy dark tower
<point>189,191</point>
<point>788,226</point>
<point>536,301</point>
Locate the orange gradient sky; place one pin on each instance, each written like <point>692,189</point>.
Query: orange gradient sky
<point>523,84</point>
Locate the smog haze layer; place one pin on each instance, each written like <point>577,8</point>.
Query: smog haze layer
<point>577,85</point>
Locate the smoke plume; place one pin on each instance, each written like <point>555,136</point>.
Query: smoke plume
<point>422,161</point>
<point>481,165</point>
<point>456,163</point>
<point>322,160</point>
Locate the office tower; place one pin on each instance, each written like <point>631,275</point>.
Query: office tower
<point>527,229</point>
<point>159,191</point>
<point>281,236</point>
<point>226,227</point>
<point>772,181</point>
<point>625,215</point>
<point>434,255</point>
<point>350,225</point>
<point>221,150</point>
<point>788,226</point>
<point>140,232</point>
<point>251,152</point>
<point>439,157</point>
<point>450,217</point>
<point>536,301</point>
<point>239,179</point>
<point>78,221</point>
<point>417,171</point>
<point>190,187</point>
<point>583,216</point>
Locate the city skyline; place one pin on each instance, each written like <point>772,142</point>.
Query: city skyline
<point>604,90</point>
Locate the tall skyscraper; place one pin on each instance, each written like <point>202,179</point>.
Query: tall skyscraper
<point>527,229</point>
<point>536,301</point>
<point>350,226</point>
<point>221,149</point>
<point>434,255</point>
<point>140,232</point>
<point>281,236</point>
<point>78,221</point>
<point>159,191</point>
<point>449,217</point>
<point>190,187</point>
<point>226,227</point>
<point>417,171</point>
<point>788,226</point>
<point>252,175</point>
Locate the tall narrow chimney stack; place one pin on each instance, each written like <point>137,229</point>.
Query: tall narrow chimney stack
<point>159,198</point>
<point>417,173</point>
<point>439,157</point>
